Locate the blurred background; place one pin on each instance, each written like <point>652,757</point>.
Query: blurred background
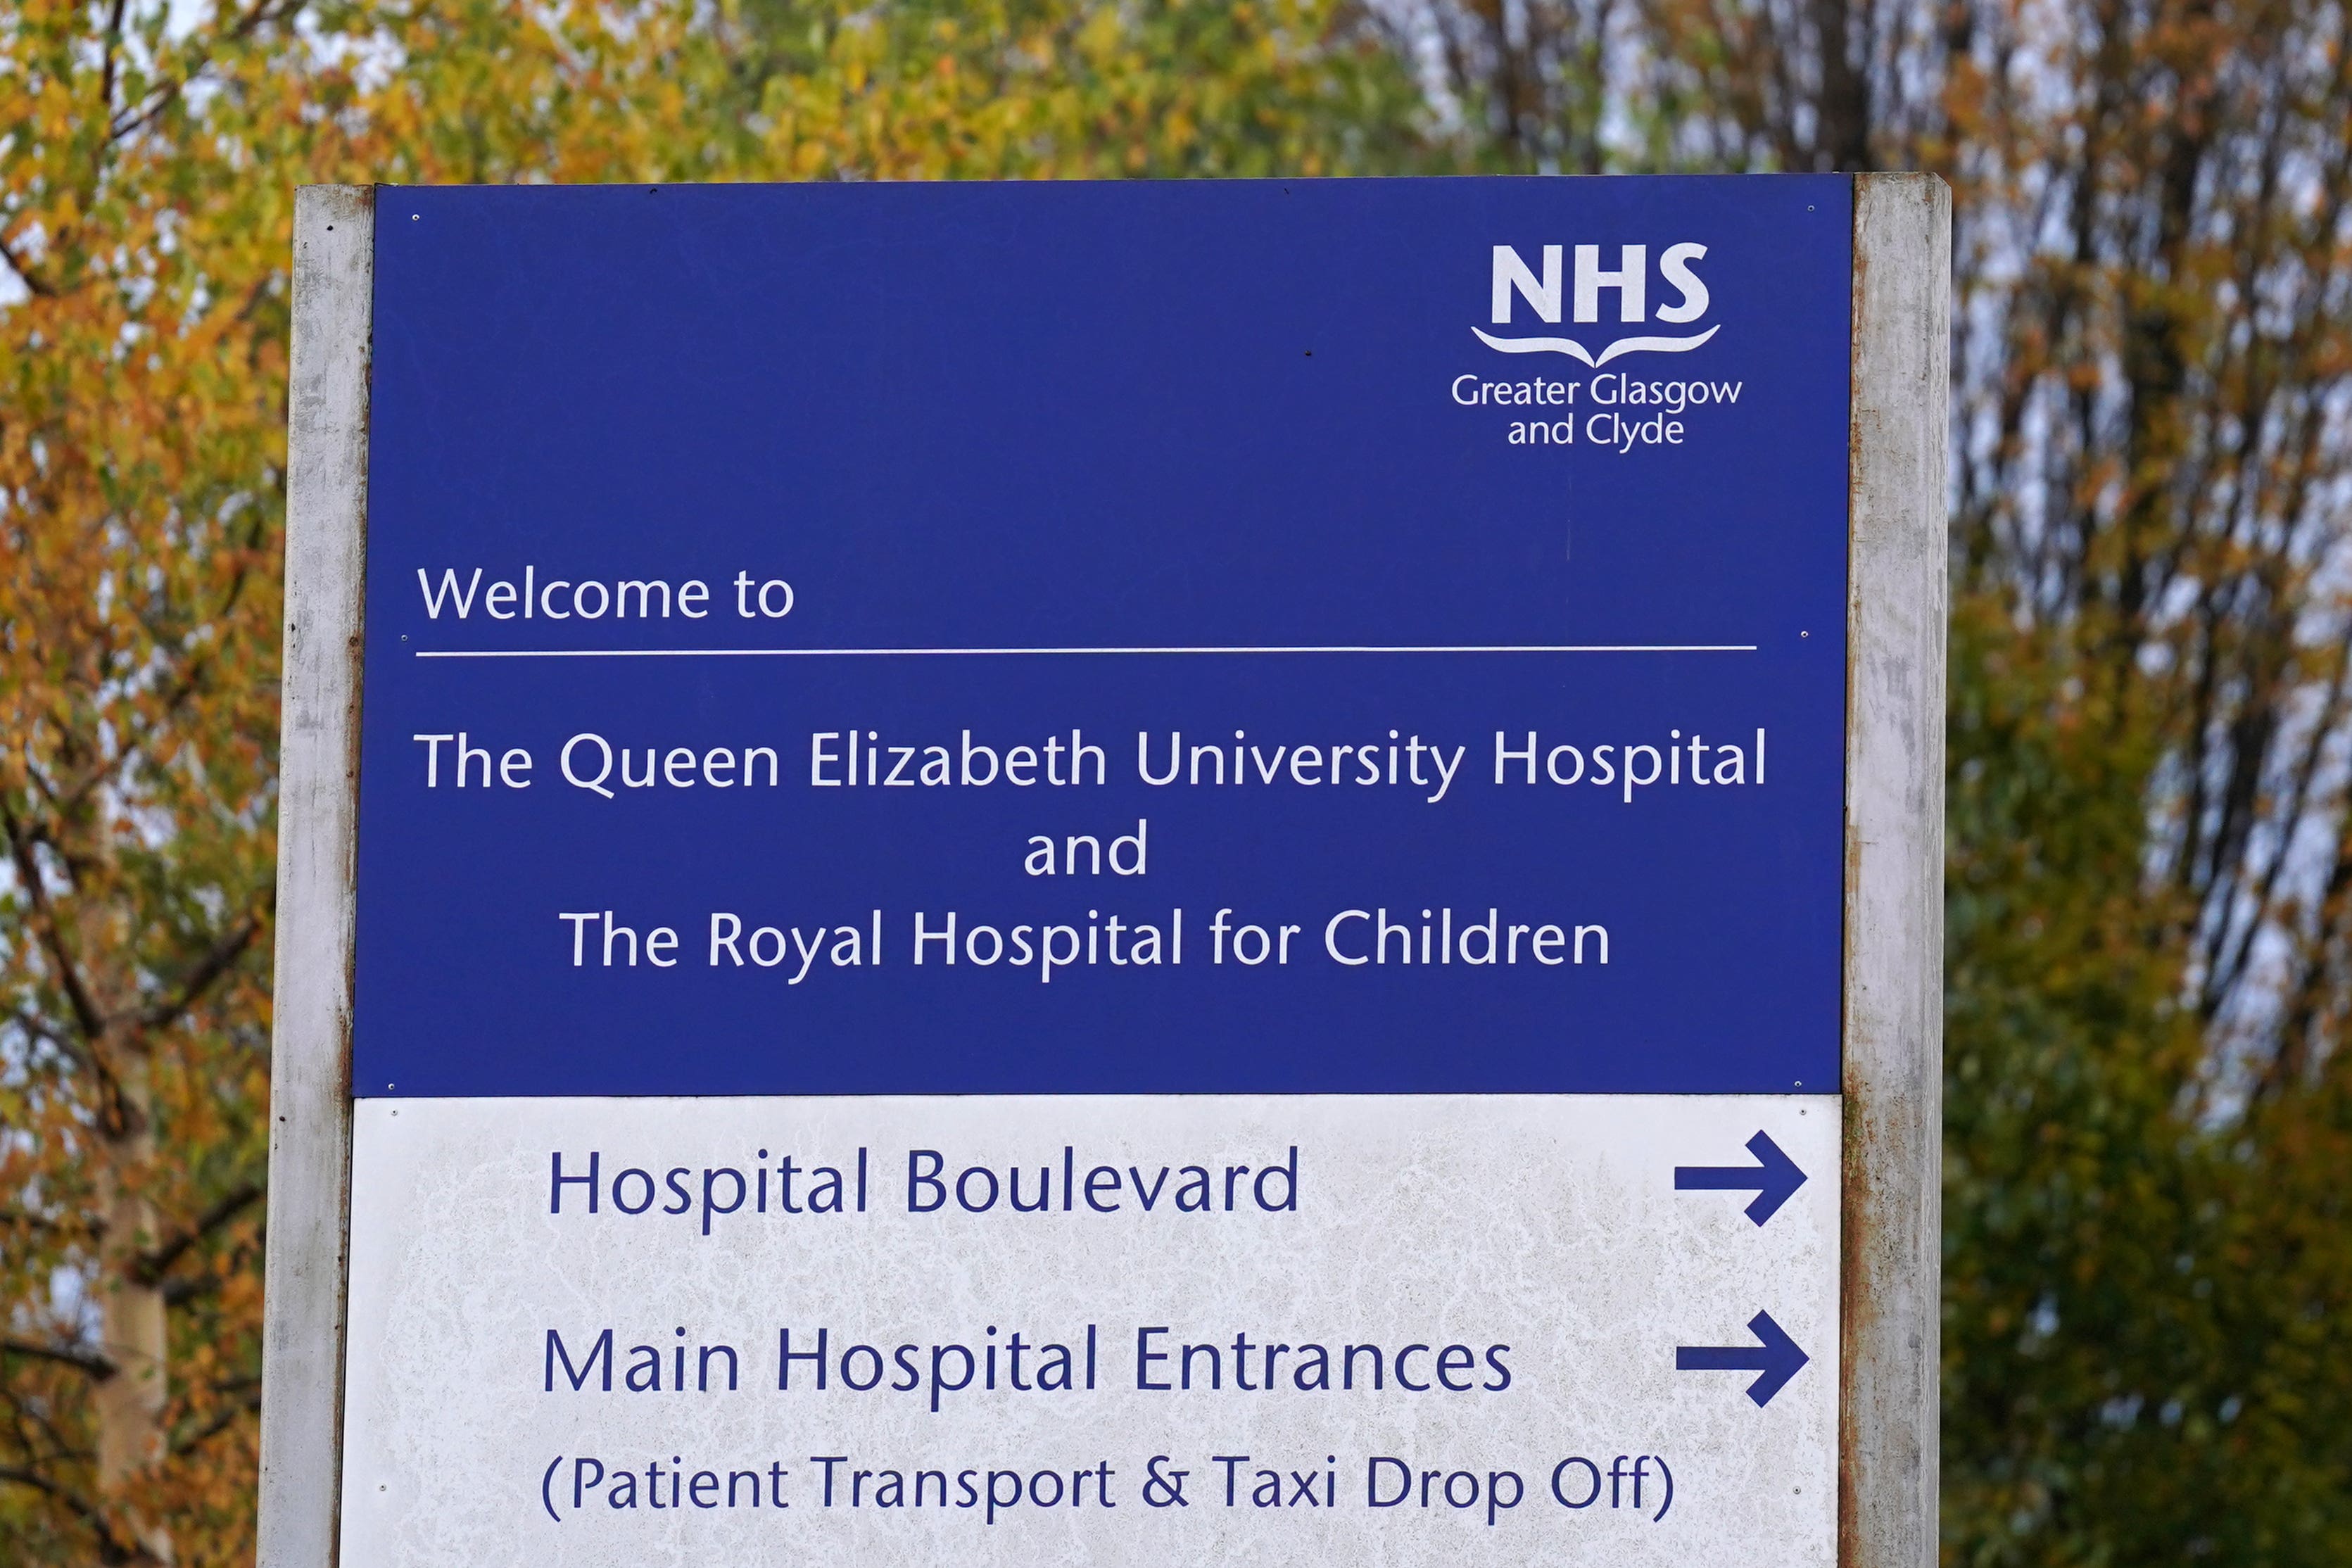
<point>2148,1318</point>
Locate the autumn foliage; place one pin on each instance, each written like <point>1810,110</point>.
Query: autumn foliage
<point>2149,1258</point>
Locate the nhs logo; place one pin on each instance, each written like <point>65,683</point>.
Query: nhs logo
<point>1681,300</point>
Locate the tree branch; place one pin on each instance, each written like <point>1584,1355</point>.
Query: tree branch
<point>87,1013</point>
<point>114,42</point>
<point>215,962</point>
<point>13,1219</point>
<point>151,1267</point>
<point>249,1400</point>
<point>96,1365</point>
<point>162,97</point>
<point>33,281</point>
<point>36,1030</point>
<point>112,1549</point>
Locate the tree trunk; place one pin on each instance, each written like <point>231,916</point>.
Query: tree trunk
<point>130,1404</point>
<point>1844,104</point>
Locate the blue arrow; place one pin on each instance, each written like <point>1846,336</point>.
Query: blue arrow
<point>1775,1355</point>
<point>1773,1178</point>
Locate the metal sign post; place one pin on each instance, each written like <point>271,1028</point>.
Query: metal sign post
<point>1111,872</point>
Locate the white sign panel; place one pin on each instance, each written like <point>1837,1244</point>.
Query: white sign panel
<point>1291,1330</point>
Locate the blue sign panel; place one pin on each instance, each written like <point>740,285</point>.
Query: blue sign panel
<point>1252,637</point>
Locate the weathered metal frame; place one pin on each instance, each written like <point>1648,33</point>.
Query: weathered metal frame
<point>318,813</point>
<point>1893,1018</point>
<point>1896,606</point>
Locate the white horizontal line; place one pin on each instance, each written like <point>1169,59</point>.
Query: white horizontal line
<point>1030,652</point>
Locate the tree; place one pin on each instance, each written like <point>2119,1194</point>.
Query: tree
<point>2150,886</point>
<point>146,180</point>
<point>2147,1266</point>
<point>138,462</point>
